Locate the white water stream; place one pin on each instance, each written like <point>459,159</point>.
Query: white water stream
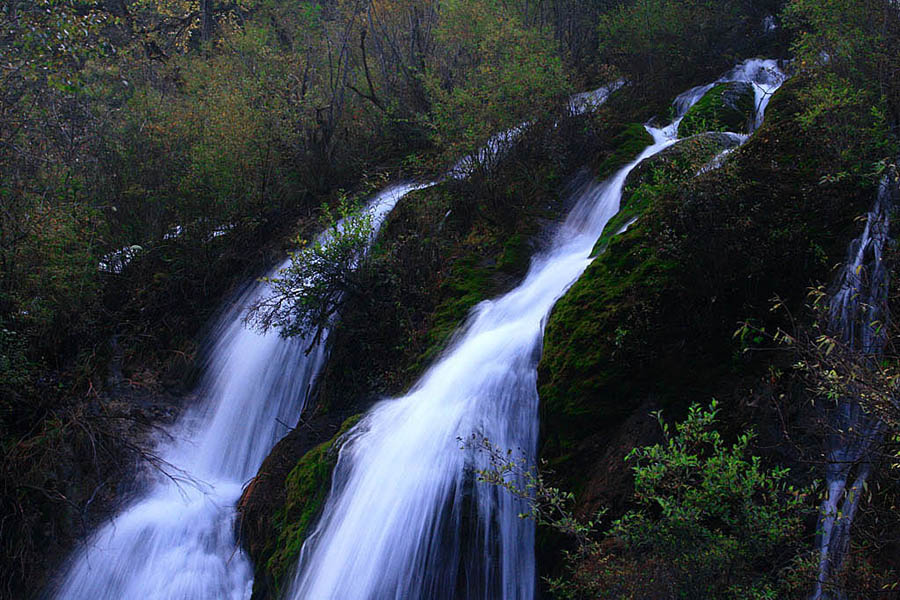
<point>405,518</point>
<point>859,318</point>
<point>177,540</point>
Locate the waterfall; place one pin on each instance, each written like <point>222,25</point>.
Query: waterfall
<point>405,518</point>
<point>858,317</point>
<point>177,540</point>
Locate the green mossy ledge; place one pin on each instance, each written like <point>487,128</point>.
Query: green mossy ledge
<point>306,489</point>
<point>652,318</point>
<point>441,251</point>
<point>661,174</point>
<point>726,107</point>
<point>627,145</point>
<point>437,258</point>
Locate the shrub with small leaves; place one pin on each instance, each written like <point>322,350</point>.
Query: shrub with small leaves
<point>711,511</point>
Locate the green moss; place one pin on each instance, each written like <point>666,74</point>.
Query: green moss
<point>661,175</point>
<point>627,144</point>
<point>516,254</point>
<point>653,316</point>
<point>726,107</point>
<point>468,284</point>
<point>580,384</point>
<point>306,490</point>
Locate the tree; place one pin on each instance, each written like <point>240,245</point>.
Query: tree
<point>651,41</point>
<point>306,296</point>
<point>493,76</point>
<point>848,48</point>
<point>855,41</point>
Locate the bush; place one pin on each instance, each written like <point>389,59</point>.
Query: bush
<point>848,49</point>
<point>710,521</point>
<point>720,522</point>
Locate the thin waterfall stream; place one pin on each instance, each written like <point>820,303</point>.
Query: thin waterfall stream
<point>177,540</point>
<point>405,518</point>
<point>858,316</point>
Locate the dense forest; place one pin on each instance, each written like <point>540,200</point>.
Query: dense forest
<point>718,413</point>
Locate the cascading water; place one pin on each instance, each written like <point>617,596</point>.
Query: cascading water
<point>858,317</point>
<point>764,75</point>
<point>405,518</point>
<point>177,540</point>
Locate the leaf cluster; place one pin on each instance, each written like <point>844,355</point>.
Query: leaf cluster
<point>305,297</point>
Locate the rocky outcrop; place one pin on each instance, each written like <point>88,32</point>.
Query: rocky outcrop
<point>654,315</point>
<point>726,107</point>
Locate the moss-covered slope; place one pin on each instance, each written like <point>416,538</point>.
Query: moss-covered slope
<point>281,504</point>
<point>663,173</point>
<point>306,489</point>
<point>653,315</point>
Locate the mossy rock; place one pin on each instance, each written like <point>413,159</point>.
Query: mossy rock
<point>726,107</point>
<point>438,256</point>
<point>306,489</point>
<point>627,144</point>
<point>579,385</point>
<point>662,174</point>
<point>653,316</point>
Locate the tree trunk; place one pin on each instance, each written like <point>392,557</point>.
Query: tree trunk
<point>205,20</point>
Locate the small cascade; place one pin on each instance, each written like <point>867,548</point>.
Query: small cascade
<point>405,518</point>
<point>858,315</point>
<point>763,74</point>
<point>177,541</point>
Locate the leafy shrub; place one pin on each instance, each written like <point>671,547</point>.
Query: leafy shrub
<point>720,521</point>
<point>710,521</point>
<point>849,50</point>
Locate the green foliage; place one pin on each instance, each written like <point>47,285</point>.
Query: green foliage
<point>307,294</point>
<point>852,123</point>
<point>516,254</point>
<point>582,364</point>
<point>710,521</point>
<point>711,511</point>
<point>726,107</point>
<point>849,51</point>
<point>496,73</point>
<point>15,368</point>
<point>855,39</point>
<point>651,41</point>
